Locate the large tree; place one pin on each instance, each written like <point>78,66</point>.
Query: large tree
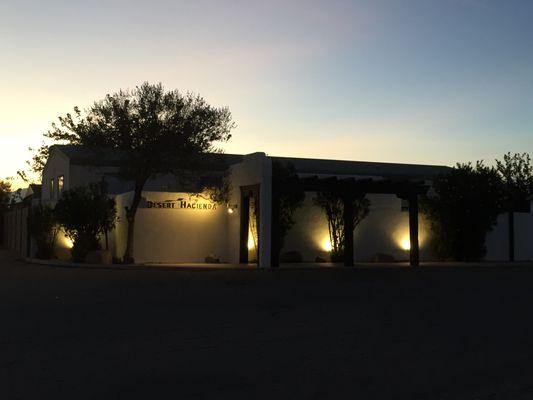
<point>516,172</point>
<point>154,131</point>
<point>462,208</point>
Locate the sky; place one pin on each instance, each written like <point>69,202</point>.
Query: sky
<point>413,81</point>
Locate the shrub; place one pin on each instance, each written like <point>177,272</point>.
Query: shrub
<point>85,213</point>
<point>462,210</point>
<point>289,201</point>
<point>43,229</point>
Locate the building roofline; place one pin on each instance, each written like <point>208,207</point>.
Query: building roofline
<point>79,155</point>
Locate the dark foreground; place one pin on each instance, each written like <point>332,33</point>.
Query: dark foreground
<point>434,333</point>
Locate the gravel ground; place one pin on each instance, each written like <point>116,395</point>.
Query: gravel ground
<point>429,333</point>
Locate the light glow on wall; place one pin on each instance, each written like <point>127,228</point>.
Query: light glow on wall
<point>68,243</point>
<point>251,243</point>
<point>405,243</point>
<point>326,244</point>
<point>400,233</point>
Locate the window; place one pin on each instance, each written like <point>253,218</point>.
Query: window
<point>60,184</point>
<point>52,188</point>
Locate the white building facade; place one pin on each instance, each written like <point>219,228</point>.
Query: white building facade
<point>175,225</point>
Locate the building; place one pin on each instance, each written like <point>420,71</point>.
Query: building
<point>177,224</point>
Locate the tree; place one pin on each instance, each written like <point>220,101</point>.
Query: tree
<point>85,213</point>
<point>44,229</point>
<point>333,206</point>
<point>155,131</point>
<point>5,195</point>
<point>462,208</point>
<point>516,173</point>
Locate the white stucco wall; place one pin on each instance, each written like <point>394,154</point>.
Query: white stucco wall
<point>84,175</point>
<point>382,231</point>
<point>498,240</point>
<point>117,238</point>
<point>255,169</point>
<point>57,164</point>
<point>173,235</point>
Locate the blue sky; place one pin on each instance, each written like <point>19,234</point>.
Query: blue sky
<point>403,81</point>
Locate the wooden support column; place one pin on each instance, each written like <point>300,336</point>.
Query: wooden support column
<point>348,231</point>
<point>275,245</point>
<point>414,252</point>
<point>245,221</point>
<point>511,235</point>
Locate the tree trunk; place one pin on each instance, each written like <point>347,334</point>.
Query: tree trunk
<point>130,218</point>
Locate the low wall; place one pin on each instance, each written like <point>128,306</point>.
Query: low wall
<point>498,239</point>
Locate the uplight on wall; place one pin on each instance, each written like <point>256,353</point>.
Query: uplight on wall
<point>326,244</point>
<point>251,243</point>
<point>405,243</point>
<point>69,244</point>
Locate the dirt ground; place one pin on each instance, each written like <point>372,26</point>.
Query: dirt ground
<point>426,333</point>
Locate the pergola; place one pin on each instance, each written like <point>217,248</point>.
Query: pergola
<point>349,189</point>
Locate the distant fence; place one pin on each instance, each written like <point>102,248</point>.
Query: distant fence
<point>15,235</point>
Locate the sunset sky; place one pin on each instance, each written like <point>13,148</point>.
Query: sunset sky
<point>416,81</point>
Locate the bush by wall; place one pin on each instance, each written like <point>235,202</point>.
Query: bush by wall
<point>85,213</point>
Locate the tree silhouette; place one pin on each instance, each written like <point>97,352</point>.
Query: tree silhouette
<point>516,173</point>
<point>154,131</point>
<point>462,209</point>
<point>289,201</point>
<point>5,196</point>
<point>333,207</point>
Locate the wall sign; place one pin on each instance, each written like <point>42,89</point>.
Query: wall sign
<point>181,203</point>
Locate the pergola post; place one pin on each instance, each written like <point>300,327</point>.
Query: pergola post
<point>414,252</point>
<point>348,231</point>
<point>510,217</point>
<point>244,223</point>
